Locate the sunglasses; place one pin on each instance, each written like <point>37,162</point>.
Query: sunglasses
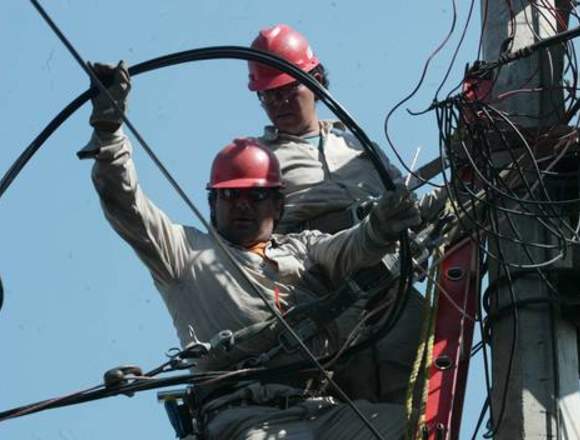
<point>253,194</point>
<point>279,94</point>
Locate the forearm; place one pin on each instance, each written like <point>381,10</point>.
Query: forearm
<point>350,250</point>
<point>365,244</point>
<point>161,244</point>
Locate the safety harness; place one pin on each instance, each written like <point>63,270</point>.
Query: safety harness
<point>308,321</point>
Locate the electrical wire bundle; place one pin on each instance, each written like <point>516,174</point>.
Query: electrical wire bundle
<point>513,172</point>
<point>500,175</point>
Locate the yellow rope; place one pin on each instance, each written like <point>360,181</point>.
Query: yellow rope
<point>415,416</point>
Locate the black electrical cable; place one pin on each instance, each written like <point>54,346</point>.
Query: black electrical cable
<point>386,181</point>
<point>553,228</point>
<point>486,363</point>
<point>323,95</point>
<point>102,391</point>
<point>142,384</point>
<point>209,53</point>
<point>409,96</point>
<point>504,209</point>
<point>549,204</point>
<point>488,184</point>
<point>528,150</point>
<point>484,409</point>
<point>515,332</point>
<point>508,57</point>
<point>556,371</point>
<point>220,52</point>
<point>456,51</point>
<point>476,348</point>
<point>484,22</point>
<point>494,196</point>
<point>445,129</point>
<point>529,50</point>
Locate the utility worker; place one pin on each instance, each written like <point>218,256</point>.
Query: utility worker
<point>202,294</point>
<point>327,175</point>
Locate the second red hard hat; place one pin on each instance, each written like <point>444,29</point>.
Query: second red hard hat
<point>285,42</point>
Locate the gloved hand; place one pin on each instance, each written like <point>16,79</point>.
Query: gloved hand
<point>118,82</point>
<point>431,204</point>
<point>396,212</point>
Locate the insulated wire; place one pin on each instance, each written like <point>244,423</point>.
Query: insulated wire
<point>381,170</point>
<point>544,203</point>
<point>439,47</point>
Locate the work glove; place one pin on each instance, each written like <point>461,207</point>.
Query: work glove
<point>396,212</point>
<point>432,204</point>
<point>118,82</point>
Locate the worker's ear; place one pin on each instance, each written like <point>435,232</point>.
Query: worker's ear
<point>318,77</point>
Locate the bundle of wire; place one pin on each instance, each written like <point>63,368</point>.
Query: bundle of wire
<point>502,176</point>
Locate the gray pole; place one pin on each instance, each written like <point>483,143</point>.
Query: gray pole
<point>535,391</point>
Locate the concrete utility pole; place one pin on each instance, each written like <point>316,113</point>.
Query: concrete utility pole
<point>539,396</point>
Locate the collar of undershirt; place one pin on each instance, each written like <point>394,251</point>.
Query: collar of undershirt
<point>259,249</point>
<point>313,140</point>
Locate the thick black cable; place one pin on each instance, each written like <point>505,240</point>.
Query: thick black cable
<point>102,391</point>
<point>467,153</point>
<point>209,53</point>
<point>439,47</point>
<point>484,409</point>
<point>494,221</point>
<point>456,51</point>
<point>219,52</point>
<point>374,157</point>
<point>529,50</point>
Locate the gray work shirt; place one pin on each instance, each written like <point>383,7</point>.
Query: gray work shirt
<point>322,183</point>
<point>324,179</point>
<point>199,286</point>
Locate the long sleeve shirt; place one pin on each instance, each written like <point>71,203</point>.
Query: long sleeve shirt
<point>327,178</point>
<point>199,285</point>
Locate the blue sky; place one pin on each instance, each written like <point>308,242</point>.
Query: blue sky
<point>78,301</point>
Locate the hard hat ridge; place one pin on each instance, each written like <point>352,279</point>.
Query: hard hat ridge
<point>287,43</point>
<point>245,163</point>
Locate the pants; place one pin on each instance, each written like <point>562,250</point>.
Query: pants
<point>381,373</point>
<point>309,419</point>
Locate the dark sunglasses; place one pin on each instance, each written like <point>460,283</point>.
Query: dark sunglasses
<point>254,194</point>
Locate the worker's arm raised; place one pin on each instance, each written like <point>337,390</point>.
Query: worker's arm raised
<point>162,245</point>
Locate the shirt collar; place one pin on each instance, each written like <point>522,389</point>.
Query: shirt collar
<point>271,133</point>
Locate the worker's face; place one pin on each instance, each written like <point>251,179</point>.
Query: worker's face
<point>247,216</point>
<point>291,108</point>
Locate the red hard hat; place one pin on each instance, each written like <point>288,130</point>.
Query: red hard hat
<point>285,42</point>
<point>245,164</point>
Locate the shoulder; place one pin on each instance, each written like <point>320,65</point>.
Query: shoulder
<point>336,131</point>
<point>196,239</point>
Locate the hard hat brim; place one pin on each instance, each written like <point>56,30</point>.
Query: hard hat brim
<point>245,183</point>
